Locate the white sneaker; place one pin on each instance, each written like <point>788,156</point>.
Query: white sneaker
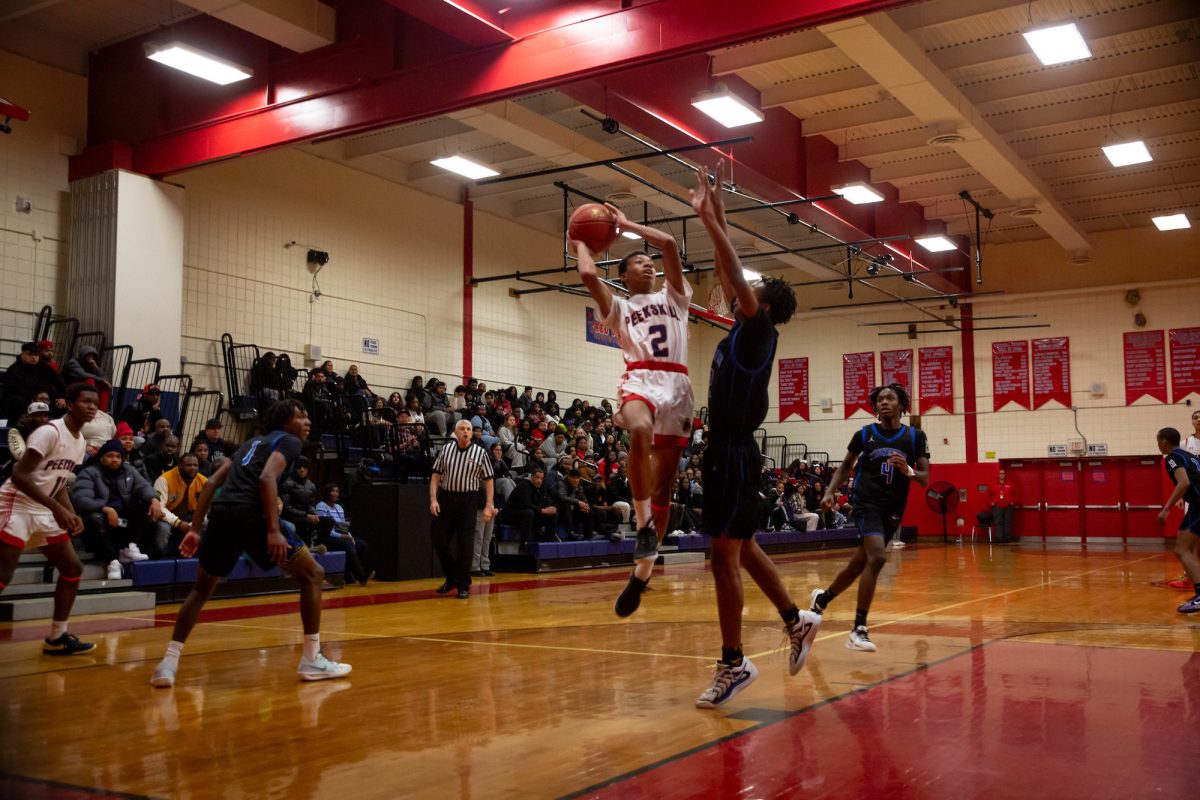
<point>727,681</point>
<point>860,641</point>
<point>812,602</point>
<point>898,545</point>
<point>801,636</point>
<point>136,553</point>
<point>114,570</point>
<point>164,676</point>
<point>322,669</point>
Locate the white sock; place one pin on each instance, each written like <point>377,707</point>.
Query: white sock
<point>642,509</point>
<point>174,651</point>
<point>312,645</point>
<point>57,629</point>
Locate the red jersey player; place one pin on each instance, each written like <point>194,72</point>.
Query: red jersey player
<point>656,405</point>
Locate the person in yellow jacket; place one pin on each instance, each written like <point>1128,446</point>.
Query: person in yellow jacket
<point>177,489</point>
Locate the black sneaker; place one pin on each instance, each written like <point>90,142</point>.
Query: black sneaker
<point>646,545</point>
<point>445,588</point>
<point>66,645</point>
<point>631,597</point>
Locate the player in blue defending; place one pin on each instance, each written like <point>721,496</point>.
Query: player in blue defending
<point>737,405</point>
<point>1184,470</point>
<point>245,519</point>
<point>886,457</point>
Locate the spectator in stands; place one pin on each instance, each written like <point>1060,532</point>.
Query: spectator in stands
<point>36,415</point>
<point>336,386</point>
<point>395,404</point>
<point>117,504</point>
<point>85,368</point>
<point>514,451</point>
<point>27,377</point>
<point>481,562</point>
<point>133,456</point>
<point>46,355</point>
<point>502,404</point>
<point>177,490</point>
<point>167,458</point>
<point>299,496</point>
<point>204,464</point>
<point>415,412</point>
<point>336,536</point>
<point>101,429</point>
<point>797,513</point>
<point>458,403</point>
<point>378,423</point>
<point>480,420</point>
<point>685,516</point>
<point>416,389</point>
<point>574,513</point>
<point>554,448</point>
<point>553,416</point>
<point>159,434</point>
<point>144,411</point>
<point>531,510</point>
<point>606,515</point>
<point>408,450</point>
<point>357,384</point>
<point>618,493</point>
<point>218,448</point>
<point>265,381</point>
<point>525,401</point>
<point>439,408</point>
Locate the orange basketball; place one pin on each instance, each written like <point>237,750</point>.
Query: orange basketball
<point>594,225</point>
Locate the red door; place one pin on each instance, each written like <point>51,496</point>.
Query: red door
<point>1144,498</point>
<point>1103,520</point>
<point>1062,500</point>
<point>1026,478</point>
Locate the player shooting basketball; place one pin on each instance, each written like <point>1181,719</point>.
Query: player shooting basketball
<point>656,405</point>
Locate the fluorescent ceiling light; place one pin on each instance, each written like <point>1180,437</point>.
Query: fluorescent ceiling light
<point>751,276</point>
<point>936,244</point>
<point>858,193</point>
<point>1058,44</point>
<point>630,235</point>
<point>1172,222</point>
<point>197,62</point>
<point>465,167</point>
<point>1126,153</point>
<point>727,108</point>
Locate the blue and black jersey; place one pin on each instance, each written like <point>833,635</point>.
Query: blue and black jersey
<point>877,485</point>
<point>241,487</point>
<point>740,377</point>
<point>1191,464</point>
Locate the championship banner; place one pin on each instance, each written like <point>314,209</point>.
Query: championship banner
<point>1185,362</point>
<point>896,366</point>
<point>597,333</point>
<point>936,370</point>
<point>1051,371</point>
<point>793,388</point>
<point>1010,374</point>
<point>858,379</point>
<point>1145,366</point>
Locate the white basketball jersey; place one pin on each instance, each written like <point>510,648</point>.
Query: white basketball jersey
<point>653,327</point>
<point>61,451</point>
<point>1192,445</point>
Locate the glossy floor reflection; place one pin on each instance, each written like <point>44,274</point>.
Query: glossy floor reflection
<point>1001,672</point>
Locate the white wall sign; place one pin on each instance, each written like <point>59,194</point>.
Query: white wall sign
<point>1056,451</point>
<point>371,346</point>
<point>1097,449</point>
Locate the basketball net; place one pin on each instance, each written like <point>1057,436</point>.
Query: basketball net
<point>717,303</point>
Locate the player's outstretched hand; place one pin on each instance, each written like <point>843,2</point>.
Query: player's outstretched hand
<point>190,543</point>
<point>827,502</point>
<point>618,216</point>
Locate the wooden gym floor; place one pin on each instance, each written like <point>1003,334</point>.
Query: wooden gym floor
<point>1002,672</point>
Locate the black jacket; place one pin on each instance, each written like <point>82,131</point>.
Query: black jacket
<point>298,500</point>
<point>22,381</point>
<point>526,497</point>
<point>91,489</point>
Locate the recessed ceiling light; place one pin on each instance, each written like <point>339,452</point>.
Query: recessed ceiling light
<point>1172,222</point>
<point>936,244</point>
<point>465,167</point>
<point>197,62</point>
<point>1126,153</point>
<point>630,235</point>
<point>1058,44</point>
<point>727,108</point>
<point>858,193</point>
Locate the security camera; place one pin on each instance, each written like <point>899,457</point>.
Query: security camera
<point>318,257</point>
<point>610,125</point>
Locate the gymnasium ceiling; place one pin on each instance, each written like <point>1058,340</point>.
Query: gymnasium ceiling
<point>860,99</point>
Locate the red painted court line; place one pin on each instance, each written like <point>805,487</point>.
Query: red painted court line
<point>166,619</point>
<point>1076,722</point>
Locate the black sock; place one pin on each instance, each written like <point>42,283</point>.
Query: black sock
<point>791,614</point>
<point>825,598</point>
<point>860,618</point>
<point>731,655</point>
<point>1196,586</point>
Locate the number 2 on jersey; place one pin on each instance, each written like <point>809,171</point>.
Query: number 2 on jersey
<point>658,338</point>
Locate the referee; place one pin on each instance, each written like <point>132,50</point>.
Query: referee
<point>458,471</point>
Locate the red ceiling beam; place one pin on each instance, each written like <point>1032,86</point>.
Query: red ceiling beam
<point>467,21</point>
<point>605,44</point>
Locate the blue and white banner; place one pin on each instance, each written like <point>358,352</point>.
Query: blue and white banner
<point>597,332</point>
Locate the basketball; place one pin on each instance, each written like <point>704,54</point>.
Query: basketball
<point>594,225</point>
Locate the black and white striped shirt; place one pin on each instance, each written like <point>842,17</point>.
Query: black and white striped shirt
<point>463,469</point>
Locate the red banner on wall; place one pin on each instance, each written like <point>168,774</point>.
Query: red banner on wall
<point>793,387</point>
<point>1010,374</point>
<point>1145,366</point>
<point>858,379</point>
<point>896,366</point>
<point>1185,362</point>
<point>936,370</point>
<point>1051,371</point>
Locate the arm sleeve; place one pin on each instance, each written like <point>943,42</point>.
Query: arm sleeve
<point>16,444</point>
<point>83,496</point>
<point>160,490</point>
<point>43,440</point>
<point>1172,461</point>
<point>439,463</point>
<point>486,470</point>
<point>289,447</point>
<point>681,299</point>
<point>324,510</point>
<point>615,312</point>
<point>922,445</point>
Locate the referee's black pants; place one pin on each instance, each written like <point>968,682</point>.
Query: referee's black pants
<point>453,534</point>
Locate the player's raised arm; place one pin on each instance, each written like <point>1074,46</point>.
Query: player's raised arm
<point>660,239</point>
<point>591,279</point>
<point>709,205</point>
